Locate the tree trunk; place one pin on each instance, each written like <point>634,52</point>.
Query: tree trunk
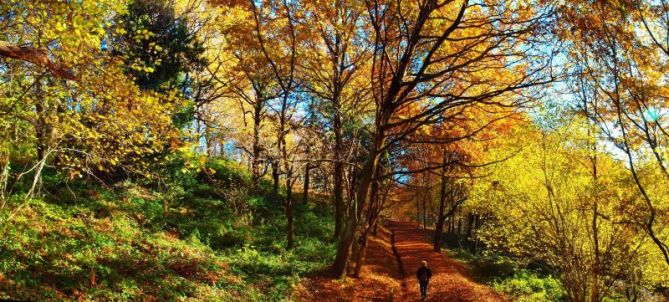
<point>363,248</point>
<point>438,234</point>
<point>595,292</point>
<point>288,169</point>
<point>459,229</point>
<point>441,218</point>
<point>424,213</point>
<point>439,226</point>
<point>338,194</point>
<point>338,176</point>
<point>41,126</point>
<point>289,213</point>
<point>470,225</point>
<point>276,172</point>
<point>451,225</point>
<point>344,248</point>
<point>305,189</point>
<point>371,220</point>
<point>375,229</point>
<point>348,233</point>
<point>338,148</point>
<point>255,156</point>
<point>418,211</point>
<point>476,239</point>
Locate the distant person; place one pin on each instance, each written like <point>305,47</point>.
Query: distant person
<point>423,274</point>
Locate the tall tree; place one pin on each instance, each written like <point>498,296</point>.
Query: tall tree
<point>333,74</point>
<point>270,73</point>
<point>622,62</point>
<point>540,205</point>
<point>432,56</point>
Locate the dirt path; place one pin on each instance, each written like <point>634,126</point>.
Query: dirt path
<point>450,279</point>
<point>381,279</point>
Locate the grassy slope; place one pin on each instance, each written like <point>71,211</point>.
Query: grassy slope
<point>507,276</point>
<point>117,244</point>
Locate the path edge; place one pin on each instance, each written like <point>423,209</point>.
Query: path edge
<point>400,266</point>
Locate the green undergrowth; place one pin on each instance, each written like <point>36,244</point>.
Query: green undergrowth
<point>508,277</point>
<point>215,242</point>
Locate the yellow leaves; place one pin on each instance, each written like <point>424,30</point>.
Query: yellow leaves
<point>105,121</point>
<point>60,26</point>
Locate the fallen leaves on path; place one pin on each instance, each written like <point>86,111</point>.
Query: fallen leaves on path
<point>380,279</point>
<point>450,281</point>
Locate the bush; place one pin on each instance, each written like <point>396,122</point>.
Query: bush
<point>528,286</point>
<point>311,225</point>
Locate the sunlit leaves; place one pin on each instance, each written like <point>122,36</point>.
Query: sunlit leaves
<point>100,121</point>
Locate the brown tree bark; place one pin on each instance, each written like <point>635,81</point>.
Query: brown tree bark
<point>338,148</point>
<point>372,214</point>
<point>305,189</point>
<point>441,217</point>
<point>338,175</point>
<point>340,263</point>
<point>276,173</point>
<point>288,204</point>
<point>256,148</point>
<point>37,56</point>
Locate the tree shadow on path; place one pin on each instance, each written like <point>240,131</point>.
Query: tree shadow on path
<point>450,281</point>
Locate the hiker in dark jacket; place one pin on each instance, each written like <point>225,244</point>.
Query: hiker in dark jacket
<point>423,274</point>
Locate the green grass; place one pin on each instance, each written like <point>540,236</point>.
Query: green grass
<point>512,279</point>
<point>527,286</point>
<point>119,244</point>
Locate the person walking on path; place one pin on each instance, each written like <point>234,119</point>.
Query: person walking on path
<point>423,274</point>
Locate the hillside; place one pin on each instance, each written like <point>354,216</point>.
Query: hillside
<point>117,243</point>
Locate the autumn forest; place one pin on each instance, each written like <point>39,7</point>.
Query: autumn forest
<point>321,150</point>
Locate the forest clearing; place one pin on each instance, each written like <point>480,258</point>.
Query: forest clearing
<point>334,150</point>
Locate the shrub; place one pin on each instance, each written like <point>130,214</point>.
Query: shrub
<point>528,286</point>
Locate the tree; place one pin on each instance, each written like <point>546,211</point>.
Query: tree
<point>432,57</point>
<point>619,81</point>
<point>251,79</point>
<point>82,115</point>
<point>334,74</point>
<point>553,224</point>
<point>157,46</point>
<point>270,73</point>
<point>451,195</point>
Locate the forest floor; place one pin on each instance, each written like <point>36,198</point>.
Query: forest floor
<point>379,279</point>
<point>451,280</point>
<point>383,280</point>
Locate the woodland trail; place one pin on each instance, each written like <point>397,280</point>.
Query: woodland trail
<point>450,281</point>
<point>382,280</point>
